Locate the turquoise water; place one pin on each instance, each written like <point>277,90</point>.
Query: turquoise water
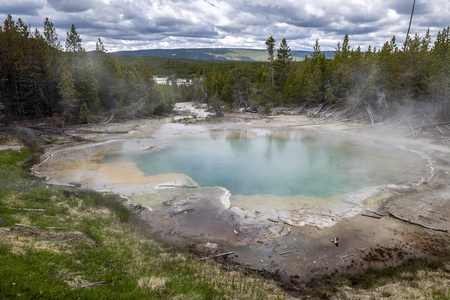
<point>280,164</point>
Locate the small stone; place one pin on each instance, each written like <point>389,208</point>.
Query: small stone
<point>212,246</point>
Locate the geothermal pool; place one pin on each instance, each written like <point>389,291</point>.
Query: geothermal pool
<point>277,163</point>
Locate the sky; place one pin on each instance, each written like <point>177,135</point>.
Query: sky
<point>169,24</point>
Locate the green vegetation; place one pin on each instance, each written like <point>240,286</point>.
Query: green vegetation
<point>377,277</point>
<point>181,67</point>
<point>384,79</point>
<point>417,278</point>
<point>67,244</point>
<point>39,79</point>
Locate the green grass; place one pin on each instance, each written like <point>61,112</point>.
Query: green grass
<point>411,276</point>
<point>13,157</point>
<point>12,171</point>
<point>73,244</point>
<point>408,271</point>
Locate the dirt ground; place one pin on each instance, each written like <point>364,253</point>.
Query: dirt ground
<point>388,227</point>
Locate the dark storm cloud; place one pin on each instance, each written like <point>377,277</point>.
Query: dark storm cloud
<point>137,24</point>
<point>27,8</point>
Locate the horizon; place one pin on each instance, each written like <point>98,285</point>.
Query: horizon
<point>224,47</point>
<point>170,24</point>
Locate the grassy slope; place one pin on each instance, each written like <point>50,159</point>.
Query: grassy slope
<point>69,244</point>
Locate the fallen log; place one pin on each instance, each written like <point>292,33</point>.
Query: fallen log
<point>301,108</point>
<point>109,120</point>
<point>369,112</point>
<point>218,255</point>
<point>280,269</point>
<point>42,162</point>
<point>410,126</point>
<point>355,119</point>
<point>416,223</point>
<point>432,125</point>
<point>370,216</point>
<point>354,112</point>
<point>401,122</point>
<point>328,109</point>
<point>420,129</point>
<point>347,255</point>
<point>177,212</point>
<point>340,116</point>
<point>62,184</point>
<point>47,129</point>
<point>286,221</point>
<point>92,284</point>
<point>320,108</point>
<point>288,229</point>
<point>290,251</point>
<point>375,213</point>
<point>30,209</point>
<point>436,125</point>
<point>144,117</point>
<point>98,131</point>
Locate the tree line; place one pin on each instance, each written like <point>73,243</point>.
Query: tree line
<point>40,78</point>
<point>417,72</point>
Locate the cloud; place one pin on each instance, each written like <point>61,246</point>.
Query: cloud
<point>20,7</point>
<point>70,6</point>
<point>136,24</point>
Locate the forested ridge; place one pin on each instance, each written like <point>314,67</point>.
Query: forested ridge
<point>41,78</point>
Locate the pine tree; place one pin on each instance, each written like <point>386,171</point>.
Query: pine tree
<point>51,37</point>
<point>270,43</point>
<point>282,65</point>
<point>86,84</point>
<point>99,47</point>
<point>73,41</point>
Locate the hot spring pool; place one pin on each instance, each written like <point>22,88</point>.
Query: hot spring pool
<point>278,163</point>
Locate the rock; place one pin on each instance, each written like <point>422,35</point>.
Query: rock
<point>212,246</point>
<point>208,248</point>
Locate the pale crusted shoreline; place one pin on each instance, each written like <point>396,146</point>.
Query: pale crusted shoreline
<point>258,237</point>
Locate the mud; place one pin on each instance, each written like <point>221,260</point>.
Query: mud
<point>295,245</point>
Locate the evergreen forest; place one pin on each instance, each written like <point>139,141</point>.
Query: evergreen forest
<point>39,78</point>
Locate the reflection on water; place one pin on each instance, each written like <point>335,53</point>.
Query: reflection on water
<point>273,163</point>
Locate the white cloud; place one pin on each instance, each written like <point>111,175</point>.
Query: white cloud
<point>138,24</point>
<point>314,11</point>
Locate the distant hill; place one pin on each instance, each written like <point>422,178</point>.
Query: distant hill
<point>220,54</point>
